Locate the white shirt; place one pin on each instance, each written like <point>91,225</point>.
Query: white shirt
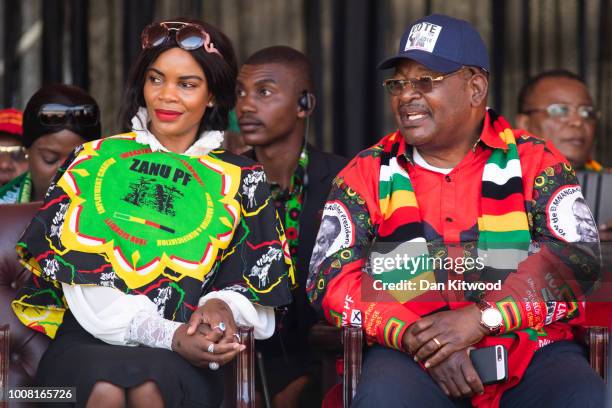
<point>419,160</point>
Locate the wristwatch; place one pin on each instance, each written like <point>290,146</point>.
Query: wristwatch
<point>491,318</point>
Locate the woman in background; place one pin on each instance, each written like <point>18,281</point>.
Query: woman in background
<point>57,119</point>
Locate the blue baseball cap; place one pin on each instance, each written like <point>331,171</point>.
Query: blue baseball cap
<point>441,43</point>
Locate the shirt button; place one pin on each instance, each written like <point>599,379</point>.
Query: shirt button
<point>449,219</point>
<point>447,178</point>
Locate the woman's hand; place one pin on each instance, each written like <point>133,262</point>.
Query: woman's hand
<point>196,347</point>
<point>218,315</point>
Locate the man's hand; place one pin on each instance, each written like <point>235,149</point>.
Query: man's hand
<point>215,313</point>
<point>434,338</point>
<point>456,376</point>
<point>194,347</point>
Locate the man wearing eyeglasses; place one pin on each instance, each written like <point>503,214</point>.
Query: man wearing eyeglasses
<point>13,160</point>
<point>453,199</point>
<point>556,105</point>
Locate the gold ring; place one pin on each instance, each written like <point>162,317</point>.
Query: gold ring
<point>437,342</point>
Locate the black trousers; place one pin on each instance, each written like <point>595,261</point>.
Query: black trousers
<point>559,375</point>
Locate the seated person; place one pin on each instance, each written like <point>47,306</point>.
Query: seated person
<point>556,105</point>
<point>147,252</point>
<point>13,160</point>
<point>56,120</point>
<point>275,100</point>
<point>454,186</point>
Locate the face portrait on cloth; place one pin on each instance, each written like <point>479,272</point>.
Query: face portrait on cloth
<point>328,232</point>
<point>585,227</point>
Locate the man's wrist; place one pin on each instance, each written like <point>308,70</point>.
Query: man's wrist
<point>491,320</point>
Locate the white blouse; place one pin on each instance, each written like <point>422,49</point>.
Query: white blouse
<point>131,320</point>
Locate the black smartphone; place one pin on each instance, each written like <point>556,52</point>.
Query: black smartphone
<point>491,363</point>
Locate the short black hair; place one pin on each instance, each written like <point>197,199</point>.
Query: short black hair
<point>531,83</point>
<point>68,95</point>
<point>284,55</point>
<point>220,75</point>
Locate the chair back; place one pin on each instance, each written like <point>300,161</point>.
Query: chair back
<point>25,346</point>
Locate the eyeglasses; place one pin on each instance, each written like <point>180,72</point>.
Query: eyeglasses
<point>54,114</point>
<point>15,153</point>
<point>423,84</point>
<point>562,111</point>
<point>188,36</point>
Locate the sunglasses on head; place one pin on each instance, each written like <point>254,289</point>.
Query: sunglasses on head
<point>422,84</point>
<point>188,36</point>
<point>562,111</point>
<point>15,153</point>
<point>54,114</point>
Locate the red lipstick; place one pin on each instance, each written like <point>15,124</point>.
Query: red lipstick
<point>167,115</point>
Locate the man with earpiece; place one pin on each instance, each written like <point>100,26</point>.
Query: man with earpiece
<point>274,103</point>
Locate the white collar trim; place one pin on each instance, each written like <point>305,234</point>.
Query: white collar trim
<point>208,141</point>
<point>420,160</point>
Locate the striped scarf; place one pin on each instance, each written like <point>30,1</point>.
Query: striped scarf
<point>503,238</point>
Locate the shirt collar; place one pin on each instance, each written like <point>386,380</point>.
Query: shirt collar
<point>489,136</point>
<point>297,180</point>
<point>208,140</point>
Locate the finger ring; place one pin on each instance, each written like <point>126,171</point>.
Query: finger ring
<point>437,342</point>
<point>213,365</point>
<point>220,326</point>
<point>237,337</point>
<point>211,348</point>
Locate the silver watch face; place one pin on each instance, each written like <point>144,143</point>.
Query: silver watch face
<point>492,318</point>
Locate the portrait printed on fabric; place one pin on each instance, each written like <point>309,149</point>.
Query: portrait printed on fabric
<point>335,233</point>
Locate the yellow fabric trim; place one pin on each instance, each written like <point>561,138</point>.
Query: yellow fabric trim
<point>41,319</point>
<point>401,198</point>
<point>513,221</point>
<point>593,165</point>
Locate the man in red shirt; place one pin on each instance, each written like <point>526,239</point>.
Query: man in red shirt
<point>456,232</point>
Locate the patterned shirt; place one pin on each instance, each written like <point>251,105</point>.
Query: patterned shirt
<point>449,209</point>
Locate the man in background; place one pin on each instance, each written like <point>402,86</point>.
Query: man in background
<point>274,102</point>
<point>556,105</point>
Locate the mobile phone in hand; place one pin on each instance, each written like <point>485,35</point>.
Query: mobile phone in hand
<point>491,363</point>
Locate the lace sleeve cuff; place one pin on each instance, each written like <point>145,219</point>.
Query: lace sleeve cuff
<point>150,329</point>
